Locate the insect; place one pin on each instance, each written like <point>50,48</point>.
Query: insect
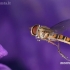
<point>52,34</point>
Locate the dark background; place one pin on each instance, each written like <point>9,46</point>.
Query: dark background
<point>24,51</point>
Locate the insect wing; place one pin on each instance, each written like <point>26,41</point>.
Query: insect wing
<point>61,26</point>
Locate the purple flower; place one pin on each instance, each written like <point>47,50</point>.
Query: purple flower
<point>4,67</point>
<point>3,53</point>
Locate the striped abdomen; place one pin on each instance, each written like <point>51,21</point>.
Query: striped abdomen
<point>62,38</point>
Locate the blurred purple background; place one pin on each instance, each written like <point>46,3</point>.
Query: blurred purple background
<point>24,51</point>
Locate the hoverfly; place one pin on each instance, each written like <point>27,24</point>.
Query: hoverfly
<point>52,34</point>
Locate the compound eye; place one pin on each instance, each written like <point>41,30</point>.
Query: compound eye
<point>34,29</point>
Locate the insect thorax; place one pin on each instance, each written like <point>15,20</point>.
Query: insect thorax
<point>45,29</point>
<point>43,32</point>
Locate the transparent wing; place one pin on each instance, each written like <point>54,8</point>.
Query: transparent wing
<point>61,26</point>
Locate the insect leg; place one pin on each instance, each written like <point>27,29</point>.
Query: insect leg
<point>52,43</point>
<point>62,53</point>
<point>58,47</point>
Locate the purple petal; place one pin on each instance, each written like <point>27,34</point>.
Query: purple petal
<point>4,67</point>
<point>3,52</point>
